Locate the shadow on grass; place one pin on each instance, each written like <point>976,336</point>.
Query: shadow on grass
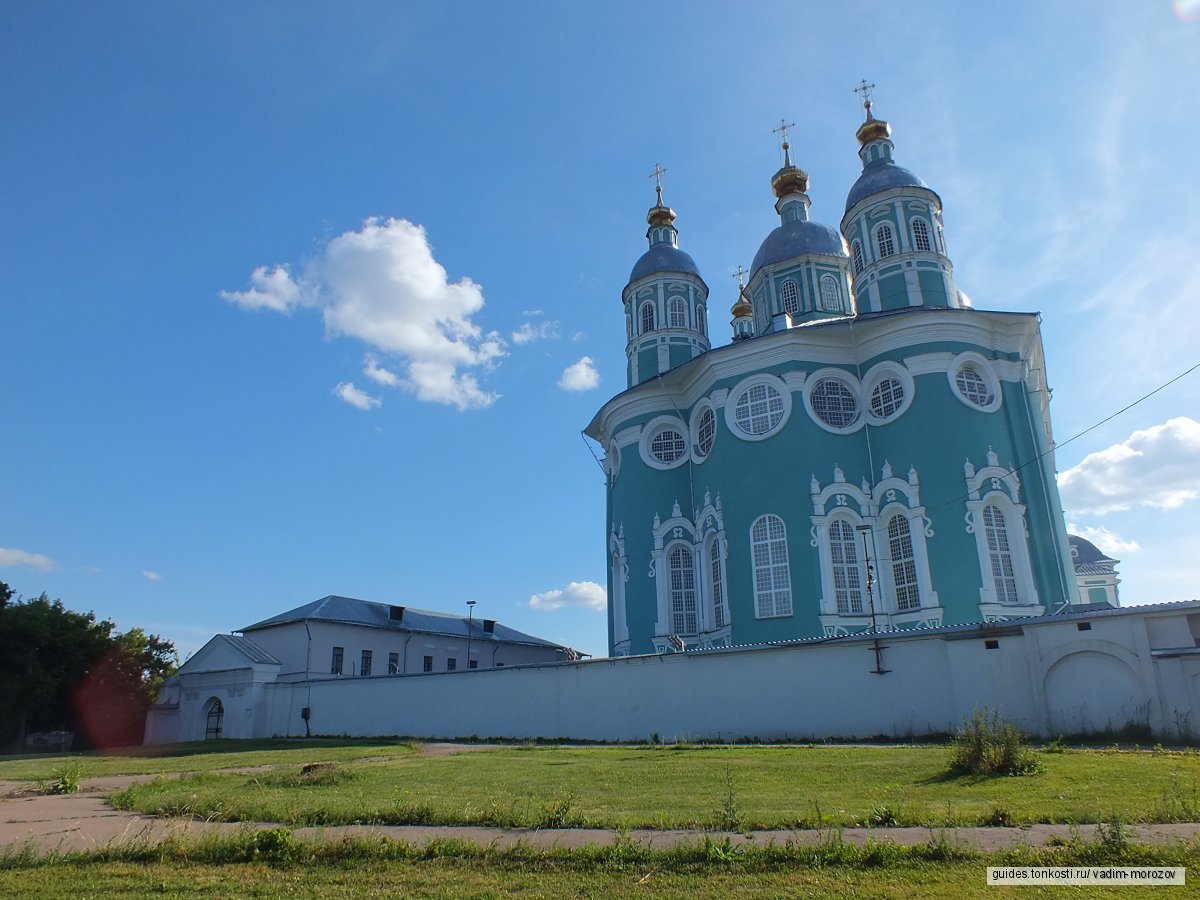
<point>204,748</point>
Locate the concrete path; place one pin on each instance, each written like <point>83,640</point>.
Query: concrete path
<point>85,821</point>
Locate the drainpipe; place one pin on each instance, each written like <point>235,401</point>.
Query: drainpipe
<point>404,664</point>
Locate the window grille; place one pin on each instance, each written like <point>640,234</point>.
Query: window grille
<point>668,445</point>
<point>683,591</point>
<point>831,300</point>
<point>1000,554</point>
<point>677,311</point>
<point>701,321</point>
<point>718,597</point>
<point>973,386</point>
<point>885,241</point>
<point>364,664</point>
<point>833,403</point>
<point>789,296</point>
<point>335,665</point>
<point>214,719</point>
<point>920,235</point>
<point>904,564</point>
<point>847,579</point>
<point>772,580</point>
<point>393,663</point>
<point>451,664</point>
<point>427,664</point>
<point>759,409</point>
<point>856,249</point>
<point>886,397</point>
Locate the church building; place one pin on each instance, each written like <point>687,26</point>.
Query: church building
<point>869,452</point>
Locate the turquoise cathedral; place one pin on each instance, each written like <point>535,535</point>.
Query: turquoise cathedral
<point>867,452</point>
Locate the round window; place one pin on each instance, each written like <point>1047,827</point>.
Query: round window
<point>834,403</point>
<point>973,386</point>
<point>706,432</point>
<point>759,409</point>
<point>887,397</point>
<point>667,446</point>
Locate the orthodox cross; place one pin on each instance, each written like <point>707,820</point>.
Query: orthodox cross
<point>864,90</point>
<point>738,275</point>
<point>782,130</point>
<point>657,175</point>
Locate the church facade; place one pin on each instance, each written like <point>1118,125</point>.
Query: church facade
<point>868,453</point>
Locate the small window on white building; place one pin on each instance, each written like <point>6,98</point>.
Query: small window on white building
<point>335,665</point>
<point>677,312</point>
<point>885,241</point>
<point>393,663</point>
<point>451,664</point>
<point>214,719</point>
<point>772,577</point>
<point>427,664</point>
<point>920,235</point>
<point>364,665</point>
<point>789,296</point>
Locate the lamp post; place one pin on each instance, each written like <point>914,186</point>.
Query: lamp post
<point>864,530</point>
<point>470,628</point>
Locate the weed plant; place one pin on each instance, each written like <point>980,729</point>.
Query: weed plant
<point>989,745</point>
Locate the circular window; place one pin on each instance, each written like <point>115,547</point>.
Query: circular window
<point>834,400</point>
<point>889,392</point>
<point>758,407</point>
<point>886,397</point>
<point>974,382</point>
<point>667,445</point>
<point>704,432</point>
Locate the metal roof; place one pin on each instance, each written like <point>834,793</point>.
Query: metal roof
<point>663,258</point>
<point>351,611</point>
<point>878,176</point>
<point>249,649</point>
<point>797,238</point>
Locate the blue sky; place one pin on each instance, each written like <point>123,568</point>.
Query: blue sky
<point>296,298</point>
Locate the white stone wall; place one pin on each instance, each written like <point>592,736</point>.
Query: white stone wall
<point>1130,666</point>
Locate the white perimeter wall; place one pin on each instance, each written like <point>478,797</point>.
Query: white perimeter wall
<point>1050,677</point>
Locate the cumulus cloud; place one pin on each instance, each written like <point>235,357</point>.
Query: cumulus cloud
<point>273,289</point>
<point>586,594</point>
<point>1154,467</point>
<point>151,576</point>
<point>11,557</point>
<point>1109,542</point>
<point>381,285</point>
<point>528,331</point>
<point>355,397</point>
<point>378,373</point>
<point>580,376</point>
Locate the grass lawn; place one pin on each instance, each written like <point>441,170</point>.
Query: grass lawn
<point>732,788</point>
<point>198,756</point>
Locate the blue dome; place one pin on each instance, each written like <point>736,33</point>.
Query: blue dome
<point>795,239</point>
<point>663,258</point>
<point>881,175</point>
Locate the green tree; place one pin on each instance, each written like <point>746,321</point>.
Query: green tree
<point>64,669</point>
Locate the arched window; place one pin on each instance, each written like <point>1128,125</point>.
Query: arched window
<point>706,432</point>
<point>847,578</point>
<point>214,718</point>
<point>1000,554</point>
<point>683,591</point>
<point>920,235</point>
<point>647,316</point>
<point>789,296</point>
<point>628,327</point>
<point>884,241</point>
<point>677,312</point>
<point>701,321</point>
<point>904,564</point>
<point>772,578</point>
<point>831,300</point>
<point>856,249</point>
<point>718,594</point>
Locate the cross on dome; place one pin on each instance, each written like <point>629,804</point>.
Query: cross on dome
<point>657,175</point>
<point>864,90</point>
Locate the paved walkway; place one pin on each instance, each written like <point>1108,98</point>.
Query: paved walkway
<point>85,821</point>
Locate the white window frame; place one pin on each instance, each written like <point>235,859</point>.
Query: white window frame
<point>856,252</point>
<point>986,370</point>
<point>850,383</point>
<point>914,222</point>
<point>677,308</point>
<point>670,553</point>
<point>701,321</point>
<point>872,379</point>
<point>994,485</point>
<point>829,280</point>
<point>847,522</point>
<point>652,430</point>
<point>773,565</point>
<point>891,239</point>
<point>795,296</point>
<point>698,454</point>
<point>740,389</point>
<point>647,310</point>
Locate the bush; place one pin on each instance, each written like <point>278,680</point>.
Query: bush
<point>989,745</point>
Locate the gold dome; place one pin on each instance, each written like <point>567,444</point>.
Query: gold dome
<point>660,215</point>
<point>872,129</point>
<point>742,307</point>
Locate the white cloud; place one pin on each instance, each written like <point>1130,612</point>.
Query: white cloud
<point>274,289</point>
<point>532,312</point>
<point>355,397</point>
<point>531,332</point>
<point>1108,541</point>
<point>9,557</point>
<point>151,576</point>
<point>377,373</point>
<point>580,376</point>
<point>1157,466</point>
<point>586,594</point>
<point>382,285</point>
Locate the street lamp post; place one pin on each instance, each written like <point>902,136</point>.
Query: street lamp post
<point>864,530</point>
<point>470,628</point>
